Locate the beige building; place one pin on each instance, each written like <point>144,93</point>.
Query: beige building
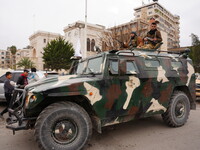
<point>74,33</point>
<point>4,59</point>
<point>22,53</point>
<point>168,22</point>
<point>38,41</point>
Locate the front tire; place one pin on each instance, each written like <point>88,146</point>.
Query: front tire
<point>178,110</point>
<point>63,126</point>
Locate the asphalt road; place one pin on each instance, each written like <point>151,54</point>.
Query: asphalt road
<point>145,134</point>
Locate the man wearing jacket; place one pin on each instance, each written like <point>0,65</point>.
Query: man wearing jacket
<point>22,80</point>
<point>8,89</point>
<point>153,37</point>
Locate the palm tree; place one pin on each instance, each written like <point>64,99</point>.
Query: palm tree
<point>25,63</point>
<point>13,51</point>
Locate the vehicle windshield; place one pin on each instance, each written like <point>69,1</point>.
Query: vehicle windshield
<point>90,66</point>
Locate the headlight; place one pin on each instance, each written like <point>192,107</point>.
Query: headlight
<point>30,98</point>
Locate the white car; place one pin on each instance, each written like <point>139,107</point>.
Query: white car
<point>15,76</point>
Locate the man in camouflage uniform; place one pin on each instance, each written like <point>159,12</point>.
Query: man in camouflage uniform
<point>134,42</point>
<point>153,37</point>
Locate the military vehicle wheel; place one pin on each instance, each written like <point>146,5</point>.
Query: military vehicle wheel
<point>63,126</point>
<point>178,110</point>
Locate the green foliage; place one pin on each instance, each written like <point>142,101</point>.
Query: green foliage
<point>195,52</point>
<point>25,63</point>
<point>57,54</point>
<point>13,50</point>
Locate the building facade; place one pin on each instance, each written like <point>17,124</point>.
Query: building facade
<point>5,57</point>
<point>168,22</point>
<point>37,42</point>
<point>74,33</point>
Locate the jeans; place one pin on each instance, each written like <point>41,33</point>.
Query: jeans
<point>8,98</point>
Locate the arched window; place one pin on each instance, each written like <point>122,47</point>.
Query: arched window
<point>92,45</point>
<point>88,44</point>
<point>34,52</point>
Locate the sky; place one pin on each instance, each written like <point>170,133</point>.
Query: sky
<point>19,19</point>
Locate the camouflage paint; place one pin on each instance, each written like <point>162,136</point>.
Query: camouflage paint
<point>120,98</point>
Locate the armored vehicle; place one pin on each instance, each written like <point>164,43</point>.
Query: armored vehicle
<point>109,88</point>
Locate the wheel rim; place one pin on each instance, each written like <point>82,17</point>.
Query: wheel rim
<point>180,109</point>
<point>64,131</point>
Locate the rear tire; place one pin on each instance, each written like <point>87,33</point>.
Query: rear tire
<point>63,126</point>
<point>178,110</point>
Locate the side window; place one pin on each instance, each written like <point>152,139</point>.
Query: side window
<point>16,76</point>
<point>2,78</point>
<point>130,67</point>
<point>114,69</point>
<point>152,63</point>
<point>176,65</point>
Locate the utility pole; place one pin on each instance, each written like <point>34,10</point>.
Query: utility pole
<point>85,33</point>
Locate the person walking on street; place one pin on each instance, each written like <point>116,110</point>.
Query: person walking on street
<point>8,89</point>
<point>22,80</point>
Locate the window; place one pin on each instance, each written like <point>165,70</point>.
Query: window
<point>81,67</point>
<point>94,65</point>
<point>16,76</point>
<point>92,45</point>
<point>2,78</point>
<point>150,12</point>
<point>45,40</point>
<point>114,66</point>
<point>152,63</point>
<point>2,53</point>
<point>88,44</point>
<point>176,65</point>
<point>130,67</point>
<point>2,57</point>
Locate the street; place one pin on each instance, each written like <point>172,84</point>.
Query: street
<point>149,133</point>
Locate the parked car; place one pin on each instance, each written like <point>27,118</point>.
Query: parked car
<point>198,87</point>
<point>109,88</point>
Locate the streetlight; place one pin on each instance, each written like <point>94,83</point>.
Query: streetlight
<point>85,33</point>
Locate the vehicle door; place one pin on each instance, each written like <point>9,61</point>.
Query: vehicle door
<point>2,79</point>
<point>117,90</point>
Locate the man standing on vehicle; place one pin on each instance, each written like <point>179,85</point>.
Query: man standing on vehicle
<point>22,80</point>
<point>134,42</point>
<point>8,89</point>
<point>153,37</point>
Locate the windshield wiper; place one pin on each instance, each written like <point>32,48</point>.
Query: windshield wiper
<point>91,72</point>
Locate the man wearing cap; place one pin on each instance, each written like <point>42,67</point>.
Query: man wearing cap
<point>134,42</point>
<point>22,80</point>
<point>153,37</point>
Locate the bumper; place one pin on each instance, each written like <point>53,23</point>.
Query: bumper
<point>17,121</point>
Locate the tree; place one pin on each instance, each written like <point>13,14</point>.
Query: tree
<point>57,54</point>
<point>13,51</point>
<point>25,63</point>
<point>195,52</point>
